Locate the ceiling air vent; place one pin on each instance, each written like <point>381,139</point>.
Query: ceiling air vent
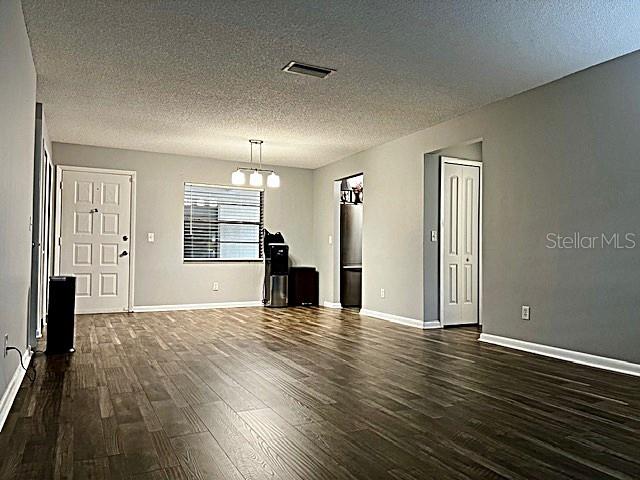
<point>304,69</point>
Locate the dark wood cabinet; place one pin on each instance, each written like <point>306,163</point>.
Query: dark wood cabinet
<point>303,286</point>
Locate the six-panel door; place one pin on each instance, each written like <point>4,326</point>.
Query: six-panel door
<point>95,227</point>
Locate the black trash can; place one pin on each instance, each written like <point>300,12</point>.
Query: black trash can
<point>61,320</point>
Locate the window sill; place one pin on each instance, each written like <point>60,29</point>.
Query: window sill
<point>223,260</point>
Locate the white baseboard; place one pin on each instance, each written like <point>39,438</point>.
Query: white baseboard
<point>196,306</point>
<point>431,325</point>
<point>596,361</point>
<point>332,304</point>
<point>411,322</point>
<point>13,387</point>
<point>97,311</point>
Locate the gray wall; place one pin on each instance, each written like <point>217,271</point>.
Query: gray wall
<point>559,158</point>
<point>392,238</point>
<point>161,277</point>
<point>17,127</point>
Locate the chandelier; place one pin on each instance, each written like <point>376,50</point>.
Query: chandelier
<point>255,174</point>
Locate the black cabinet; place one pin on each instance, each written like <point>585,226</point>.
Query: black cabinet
<point>303,286</point>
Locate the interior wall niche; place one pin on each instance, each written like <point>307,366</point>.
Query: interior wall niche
<point>431,249</point>
<point>348,268</point>
<point>352,190</point>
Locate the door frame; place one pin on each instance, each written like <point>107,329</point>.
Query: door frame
<point>335,240</point>
<point>41,229</point>
<point>48,244</point>
<point>468,163</point>
<point>132,219</point>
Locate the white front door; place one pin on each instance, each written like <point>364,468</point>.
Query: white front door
<point>459,225</point>
<point>95,232</point>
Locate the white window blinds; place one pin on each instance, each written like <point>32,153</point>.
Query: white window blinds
<point>222,223</point>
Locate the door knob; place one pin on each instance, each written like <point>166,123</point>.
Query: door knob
<point>124,254</point>
<point>125,238</point>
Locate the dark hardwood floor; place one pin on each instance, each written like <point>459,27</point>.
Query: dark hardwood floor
<point>312,394</point>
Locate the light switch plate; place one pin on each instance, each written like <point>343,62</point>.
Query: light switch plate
<point>151,237</point>
<point>216,286</point>
<point>434,235</point>
<point>330,239</point>
<point>526,312</point>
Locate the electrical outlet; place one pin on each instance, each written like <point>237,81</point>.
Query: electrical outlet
<point>6,344</point>
<point>330,239</point>
<point>526,312</point>
<point>216,286</point>
<point>382,293</point>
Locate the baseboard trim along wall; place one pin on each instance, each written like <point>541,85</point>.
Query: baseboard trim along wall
<point>332,304</point>
<point>195,306</point>
<point>12,389</point>
<point>410,322</point>
<point>588,359</point>
<point>98,311</point>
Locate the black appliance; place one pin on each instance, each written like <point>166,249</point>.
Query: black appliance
<point>279,259</point>
<point>278,275</point>
<point>61,320</point>
<point>270,238</point>
<point>303,286</point>
<point>351,255</point>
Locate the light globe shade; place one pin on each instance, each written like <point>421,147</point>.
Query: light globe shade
<point>273,180</point>
<point>255,179</point>
<point>237,177</point>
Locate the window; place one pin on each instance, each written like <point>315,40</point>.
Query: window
<point>222,223</point>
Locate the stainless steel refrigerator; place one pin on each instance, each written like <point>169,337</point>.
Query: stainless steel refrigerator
<point>351,255</point>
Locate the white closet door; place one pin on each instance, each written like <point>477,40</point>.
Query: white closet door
<point>460,236</point>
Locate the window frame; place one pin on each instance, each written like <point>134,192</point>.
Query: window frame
<point>260,258</point>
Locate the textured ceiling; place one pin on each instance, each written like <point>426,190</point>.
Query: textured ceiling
<point>202,77</point>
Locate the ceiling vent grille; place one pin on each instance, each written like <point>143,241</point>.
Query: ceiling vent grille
<point>304,69</point>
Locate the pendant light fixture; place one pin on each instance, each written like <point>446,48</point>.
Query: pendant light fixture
<point>273,180</point>
<point>238,177</point>
<point>255,178</point>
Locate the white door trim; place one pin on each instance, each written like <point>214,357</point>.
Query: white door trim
<point>469,163</point>
<point>49,200</point>
<point>132,233</point>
